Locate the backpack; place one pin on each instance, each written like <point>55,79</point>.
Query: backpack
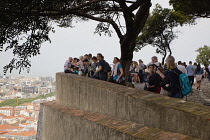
<point>106,67</point>
<point>185,84</point>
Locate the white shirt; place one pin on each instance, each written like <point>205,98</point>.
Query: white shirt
<point>182,69</point>
<point>67,63</point>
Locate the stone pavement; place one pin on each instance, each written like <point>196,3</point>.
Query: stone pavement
<point>201,97</point>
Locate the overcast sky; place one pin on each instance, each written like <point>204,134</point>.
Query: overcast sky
<point>81,40</point>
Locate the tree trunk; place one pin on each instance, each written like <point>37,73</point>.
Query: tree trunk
<point>127,48</point>
<point>164,56</point>
<point>169,49</point>
<point>163,59</point>
<point>134,25</point>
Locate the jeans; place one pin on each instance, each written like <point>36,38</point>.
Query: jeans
<point>191,80</point>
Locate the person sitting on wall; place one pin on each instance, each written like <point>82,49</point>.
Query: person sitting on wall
<point>154,80</point>
<point>68,66</point>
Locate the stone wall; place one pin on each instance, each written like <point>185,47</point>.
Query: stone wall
<point>60,122</point>
<point>131,104</point>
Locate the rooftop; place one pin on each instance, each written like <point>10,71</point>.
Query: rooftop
<point>27,104</point>
<point>9,117</point>
<point>3,108</point>
<point>6,127</point>
<point>2,114</point>
<point>23,133</point>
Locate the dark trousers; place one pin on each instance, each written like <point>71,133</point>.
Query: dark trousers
<point>68,71</point>
<point>209,76</point>
<point>191,80</point>
<point>177,95</point>
<point>104,78</point>
<point>141,75</point>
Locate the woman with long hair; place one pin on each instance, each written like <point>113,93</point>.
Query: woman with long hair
<point>171,76</point>
<point>117,72</point>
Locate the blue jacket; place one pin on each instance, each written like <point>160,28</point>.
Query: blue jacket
<point>199,72</point>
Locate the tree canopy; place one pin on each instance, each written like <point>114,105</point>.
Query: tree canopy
<point>159,30</point>
<point>204,55</point>
<point>25,25</point>
<point>192,8</point>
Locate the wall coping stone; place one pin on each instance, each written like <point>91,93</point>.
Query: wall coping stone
<point>178,104</point>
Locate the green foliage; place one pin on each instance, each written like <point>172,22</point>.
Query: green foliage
<point>159,29</point>
<point>192,8</point>
<point>13,102</point>
<point>26,24</point>
<point>204,55</point>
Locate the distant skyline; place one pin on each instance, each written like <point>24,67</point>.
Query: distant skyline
<point>81,40</point>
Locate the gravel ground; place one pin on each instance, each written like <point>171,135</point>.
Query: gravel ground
<point>201,97</point>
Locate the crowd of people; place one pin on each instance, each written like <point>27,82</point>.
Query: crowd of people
<point>157,78</point>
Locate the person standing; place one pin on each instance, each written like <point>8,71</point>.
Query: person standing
<point>181,67</point>
<point>155,62</point>
<point>191,72</point>
<point>117,72</point>
<point>86,68</point>
<point>80,64</point>
<point>101,65</point>
<point>171,78</point>
<point>208,71</point>
<point>90,58</point>
<point>198,75</point>
<point>142,67</point>
<point>93,67</point>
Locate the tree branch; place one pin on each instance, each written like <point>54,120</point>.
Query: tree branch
<point>114,25</point>
<point>141,16</point>
<point>135,5</point>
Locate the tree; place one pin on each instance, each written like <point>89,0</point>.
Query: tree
<point>32,20</point>
<point>159,30</point>
<point>192,8</point>
<point>204,55</point>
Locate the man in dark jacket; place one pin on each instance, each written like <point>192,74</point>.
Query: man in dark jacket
<point>101,64</point>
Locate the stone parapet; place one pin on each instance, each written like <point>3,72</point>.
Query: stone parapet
<point>135,105</point>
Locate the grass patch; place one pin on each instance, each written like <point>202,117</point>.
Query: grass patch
<point>13,102</point>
